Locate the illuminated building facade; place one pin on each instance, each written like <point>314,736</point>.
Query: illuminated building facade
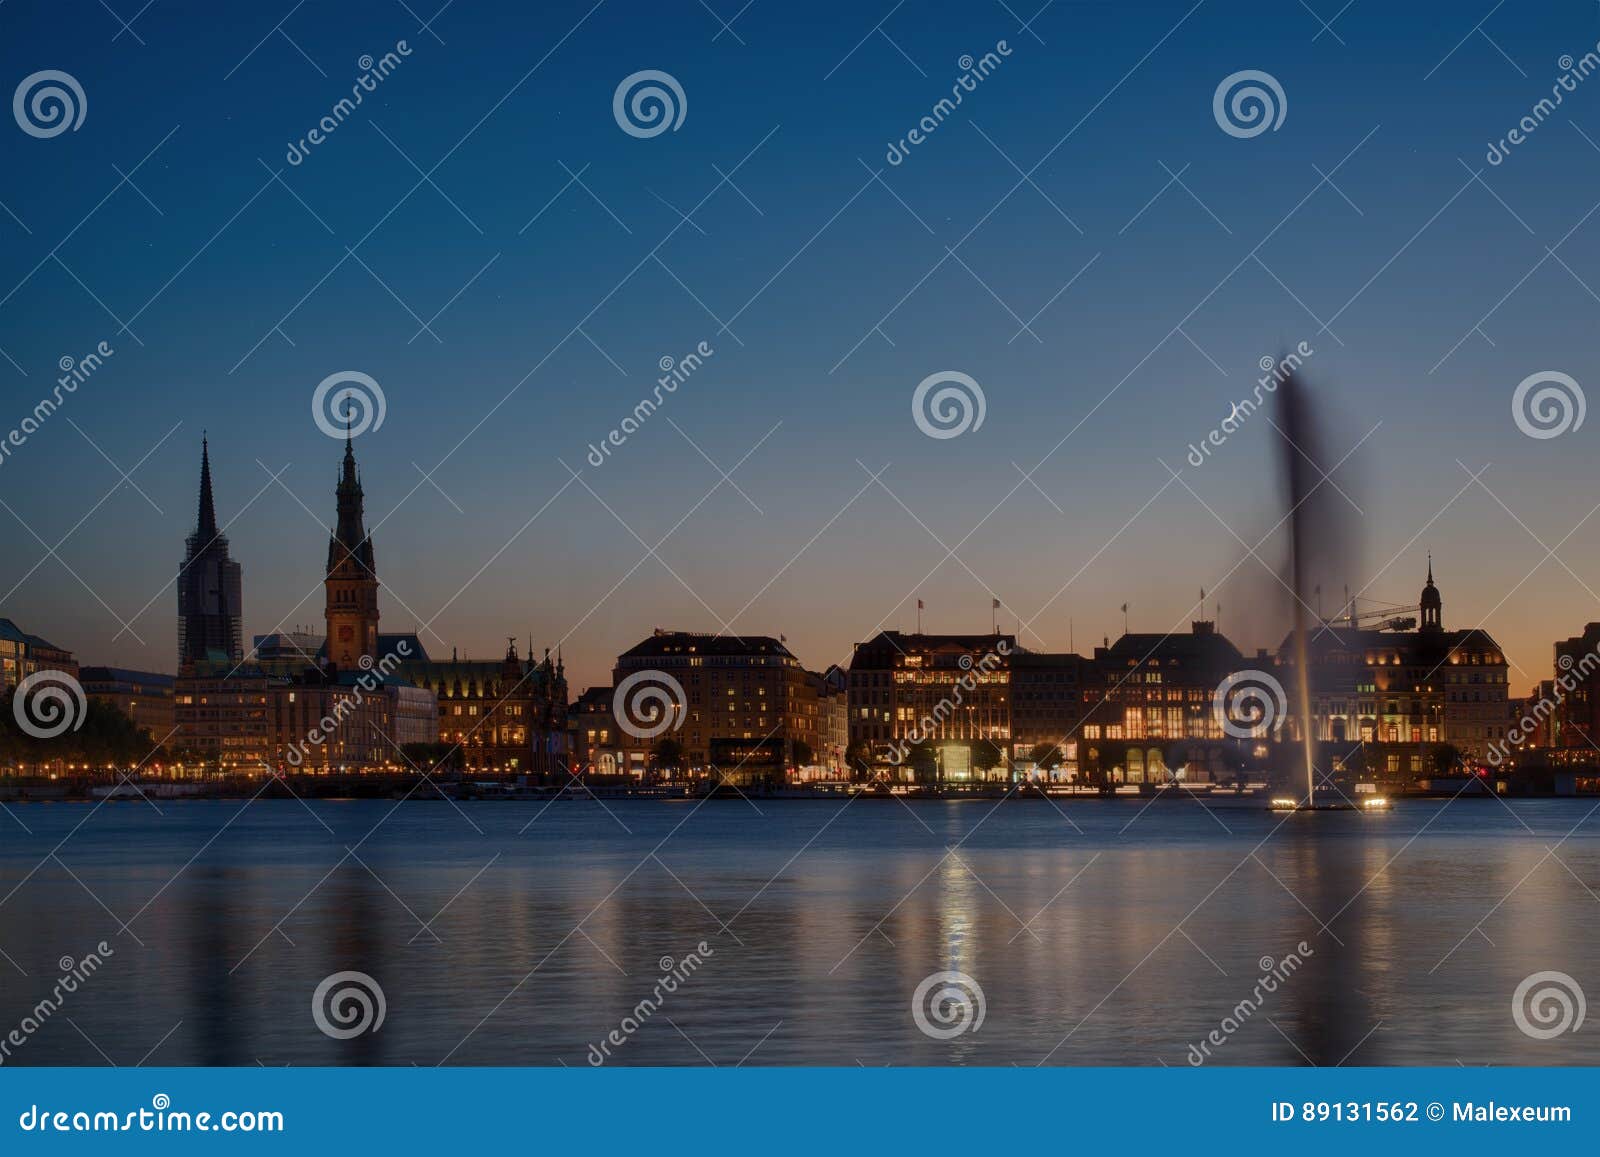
<point>832,721</point>
<point>1153,717</point>
<point>22,654</point>
<point>748,705</point>
<point>597,741</point>
<point>507,716</point>
<point>1386,700</point>
<point>949,691</point>
<point>146,697</point>
<point>1053,697</point>
<point>223,715</point>
<point>1577,721</point>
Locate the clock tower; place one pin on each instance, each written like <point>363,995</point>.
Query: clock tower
<point>352,580</point>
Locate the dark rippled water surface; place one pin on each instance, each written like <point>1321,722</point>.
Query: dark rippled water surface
<point>509,933</point>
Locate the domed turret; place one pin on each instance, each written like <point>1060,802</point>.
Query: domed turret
<point>1432,603</point>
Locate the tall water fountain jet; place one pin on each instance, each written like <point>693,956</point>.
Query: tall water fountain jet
<point>1321,544</point>
<point>1294,424</point>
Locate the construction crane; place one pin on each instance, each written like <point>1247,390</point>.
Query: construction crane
<point>1383,617</point>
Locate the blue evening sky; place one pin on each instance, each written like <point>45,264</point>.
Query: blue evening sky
<point>1426,294</point>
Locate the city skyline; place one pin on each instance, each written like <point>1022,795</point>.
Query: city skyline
<point>931,533</point>
<point>1134,319</point>
<point>204,542</point>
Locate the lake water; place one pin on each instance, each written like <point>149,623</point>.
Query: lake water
<point>1099,932</point>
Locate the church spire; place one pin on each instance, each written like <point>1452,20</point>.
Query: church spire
<point>206,524</point>
<point>210,623</point>
<point>350,533</point>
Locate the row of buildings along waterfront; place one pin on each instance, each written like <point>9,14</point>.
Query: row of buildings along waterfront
<point>1387,697</point>
<point>1396,701</point>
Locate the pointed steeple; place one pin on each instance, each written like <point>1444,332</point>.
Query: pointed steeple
<point>210,623</point>
<point>350,539</point>
<point>352,581</point>
<point>1432,602</point>
<point>206,525</point>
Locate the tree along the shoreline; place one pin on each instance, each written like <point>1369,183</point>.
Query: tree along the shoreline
<point>106,738</point>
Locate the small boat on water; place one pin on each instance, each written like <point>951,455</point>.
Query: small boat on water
<point>1371,803</point>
